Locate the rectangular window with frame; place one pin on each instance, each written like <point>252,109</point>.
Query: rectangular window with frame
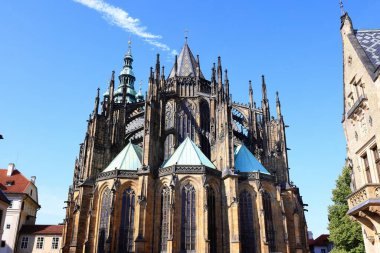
<point>376,157</point>
<point>55,242</point>
<point>40,243</point>
<point>24,242</point>
<point>367,170</point>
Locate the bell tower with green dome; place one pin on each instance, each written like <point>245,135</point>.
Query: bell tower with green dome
<point>126,89</point>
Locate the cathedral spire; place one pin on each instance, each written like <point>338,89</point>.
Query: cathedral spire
<point>264,102</point>
<point>219,72</point>
<point>157,70</point>
<point>278,106</point>
<point>185,64</point>
<point>213,79</point>
<point>250,94</point>
<point>227,82</point>
<point>96,107</point>
<point>125,92</point>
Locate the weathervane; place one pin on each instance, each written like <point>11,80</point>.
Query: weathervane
<point>341,7</point>
<point>186,35</point>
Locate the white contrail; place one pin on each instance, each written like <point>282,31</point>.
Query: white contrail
<point>117,16</point>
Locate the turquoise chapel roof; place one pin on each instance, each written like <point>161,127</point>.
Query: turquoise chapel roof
<point>128,159</point>
<point>245,161</point>
<point>188,154</point>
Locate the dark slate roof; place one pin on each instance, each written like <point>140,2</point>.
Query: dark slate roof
<point>369,40</point>
<point>186,64</point>
<point>42,229</point>
<point>4,198</point>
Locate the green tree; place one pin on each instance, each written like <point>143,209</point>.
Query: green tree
<point>344,233</point>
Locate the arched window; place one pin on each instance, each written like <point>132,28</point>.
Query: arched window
<point>168,146</point>
<point>165,205</point>
<point>211,219</point>
<point>127,221</point>
<point>270,235</point>
<point>185,122</point>
<point>247,233</point>
<point>205,126</point>
<point>188,226</point>
<point>105,212</point>
<point>297,228</point>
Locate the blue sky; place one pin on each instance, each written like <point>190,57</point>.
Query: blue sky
<point>54,55</point>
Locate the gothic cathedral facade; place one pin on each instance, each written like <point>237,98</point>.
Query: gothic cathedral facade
<point>183,169</point>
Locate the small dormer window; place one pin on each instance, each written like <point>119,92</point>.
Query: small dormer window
<point>10,183</point>
<point>349,60</point>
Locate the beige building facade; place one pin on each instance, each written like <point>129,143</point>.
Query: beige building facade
<point>184,169</point>
<point>361,123</point>
<point>40,239</point>
<point>23,197</point>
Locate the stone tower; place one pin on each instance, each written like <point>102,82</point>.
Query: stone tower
<point>361,123</point>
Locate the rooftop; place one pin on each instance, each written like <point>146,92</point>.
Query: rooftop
<point>188,154</point>
<point>245,161</point>
<point>42,229</point>
<point>128,159</point>
<point>16,183</point>
<point>369,40</point>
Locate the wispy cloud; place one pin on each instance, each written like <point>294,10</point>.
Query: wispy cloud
<point>119,17</point>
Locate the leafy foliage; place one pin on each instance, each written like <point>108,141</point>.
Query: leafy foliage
<point>344,233</point>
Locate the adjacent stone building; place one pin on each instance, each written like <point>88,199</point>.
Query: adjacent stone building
<point>184,169</point>
<point>23,197</point>
<point>361,123</point>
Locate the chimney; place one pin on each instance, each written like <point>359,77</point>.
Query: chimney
<point>33,179</point>
<point>11,168</point>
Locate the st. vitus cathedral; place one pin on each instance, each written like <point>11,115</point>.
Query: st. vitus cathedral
<point>183,169</point>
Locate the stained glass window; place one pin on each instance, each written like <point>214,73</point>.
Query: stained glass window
<point>127,221</point>
<point>165,205</point>
<point>104,220</point>
<point>188,226</point>
<point>205,126</point>
<point>211,219</point>
<point>247,233</point>
<point>270,235</point>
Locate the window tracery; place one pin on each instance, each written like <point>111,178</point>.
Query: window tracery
<point>105,212</point>
<point>165,206</point>
<point>211,219</point>
<point>188,226</point>
<point>247,233</point>
<point>127,221</point>
<point>269,230</point>
<point>186,121</point>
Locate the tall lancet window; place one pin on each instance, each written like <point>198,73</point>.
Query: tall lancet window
<point>247,233</point>
<point>205,126</point>
<point>188,225</point>
<point>168,146</point>
<point>270,235</point>
<point>127,221</point>
<point>165,205</point>
<point>211,219</point>
<point>105,212</point>
<point>186,122</point>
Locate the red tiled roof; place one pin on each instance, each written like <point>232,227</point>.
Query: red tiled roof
<point>322,240</point>
<point>20,182</point>
<point>42,229</point>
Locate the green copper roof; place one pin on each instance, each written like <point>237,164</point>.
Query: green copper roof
<point>188,154</point>
<point>128,159</point>
<point>245,161</point>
